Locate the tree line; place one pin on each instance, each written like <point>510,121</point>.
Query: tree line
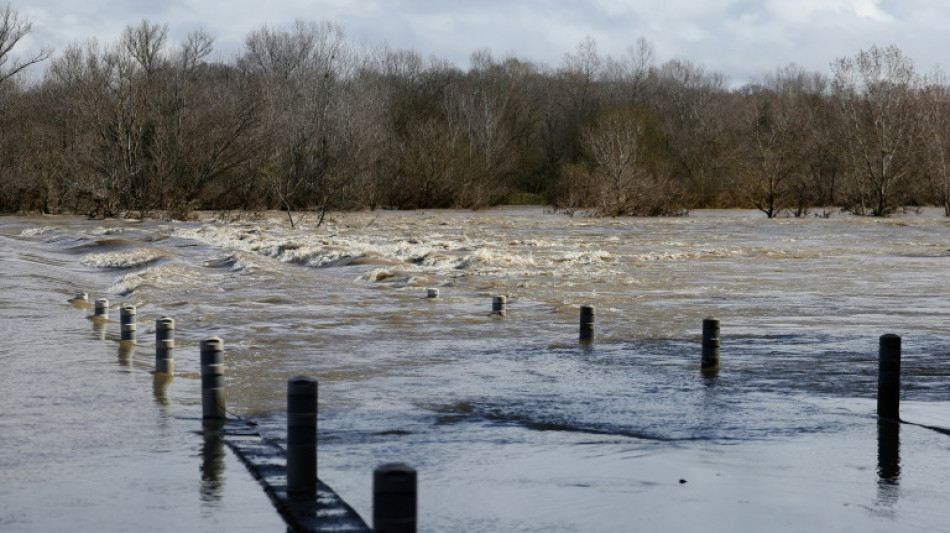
<point>303,119</point>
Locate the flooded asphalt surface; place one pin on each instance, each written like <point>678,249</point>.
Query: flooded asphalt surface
<point>512,424</point>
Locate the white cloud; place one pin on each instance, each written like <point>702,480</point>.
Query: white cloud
<point>742,38</point>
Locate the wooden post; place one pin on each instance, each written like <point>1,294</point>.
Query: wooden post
<point>432,294</point>
<point>889,377</point>
<point>710,358</point>
<point>212,379</point>
<point>394,498</point>
<point>587,323</point>
<point>165,345</point>
<point>302,435</point>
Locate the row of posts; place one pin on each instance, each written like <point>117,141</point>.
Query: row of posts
<point>164,331</point>
<point>394,484</point>
<point>212,350</point>
<point>889,354</point>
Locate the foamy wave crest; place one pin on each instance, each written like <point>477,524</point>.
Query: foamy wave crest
<point>311,250</point>
<point>385,274</point>
<point>130,259</point>
<point>166,276</point>
<point>680,256</point>
<point>33,232</point>
<point>109,231</point>
<point>302,253</point>
<point>589,257</point>
<point>491,258</point>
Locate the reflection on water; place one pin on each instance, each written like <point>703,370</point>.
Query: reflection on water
<point>888,462</point>
<point>212,463</point>
<point>126,351</point>
<point>888,452</point>
<point>99,327</point>
<point>160,383</point>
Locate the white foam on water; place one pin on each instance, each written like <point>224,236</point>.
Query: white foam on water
<point>164,276</point>
<point>36,231</point>
<point>127,259</point>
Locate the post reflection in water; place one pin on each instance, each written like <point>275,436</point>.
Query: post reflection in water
<point>888,461</point>
<point>160,384</point>
<point>126,349</point>
<point>98,329</point>
<point>212,463</point>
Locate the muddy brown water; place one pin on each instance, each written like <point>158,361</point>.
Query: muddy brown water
<point>512,424</point>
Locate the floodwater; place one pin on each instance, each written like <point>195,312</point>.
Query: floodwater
<point>512,424</point>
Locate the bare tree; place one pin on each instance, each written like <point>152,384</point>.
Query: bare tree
<point>880,127</point>
<point>687,102</point>
<point>773,143</point>
<point>935,106</point>
<point>13,29</point>
<point>618,180</point>
<point>301,70</point>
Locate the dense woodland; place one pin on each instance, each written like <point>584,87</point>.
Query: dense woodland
<point>304,119</point>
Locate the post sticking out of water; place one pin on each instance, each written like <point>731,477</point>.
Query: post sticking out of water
<point>101,309</point>
<point>165,345</point>
<point>302,435</point>
<point>127,324</point>
<point>82,297</point>
<point>587,323</point>
<point>432,294</point>
<point>889,377</point>
<point>711,344</point>
<point>499,306</point>
<point>394,498</point>
<point>212,378</point>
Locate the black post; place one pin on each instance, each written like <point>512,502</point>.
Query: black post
<point>889,377</point>
<point>587,323</point>
<point>711,344</point>
<point>394,498</point>
<point>101,309</point>
<point>165,345</point>
<point>127,323</point>
<point>499,306</point>
<point>302,435</point>
<point>212,379</point>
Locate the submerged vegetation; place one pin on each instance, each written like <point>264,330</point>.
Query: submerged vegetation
<point>303,119</point>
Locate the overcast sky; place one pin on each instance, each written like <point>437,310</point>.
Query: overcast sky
<point>743,39</point>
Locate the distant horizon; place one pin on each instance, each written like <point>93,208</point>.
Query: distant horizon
<point>744,41</point>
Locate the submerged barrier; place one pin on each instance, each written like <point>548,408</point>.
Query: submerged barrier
<point>309,505</point>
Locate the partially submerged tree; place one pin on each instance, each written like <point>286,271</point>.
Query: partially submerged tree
<point>619,177</point>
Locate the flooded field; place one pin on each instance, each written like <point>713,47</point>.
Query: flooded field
<point>512,424</point>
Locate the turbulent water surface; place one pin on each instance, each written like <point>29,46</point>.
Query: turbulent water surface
<point>512,424</point>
